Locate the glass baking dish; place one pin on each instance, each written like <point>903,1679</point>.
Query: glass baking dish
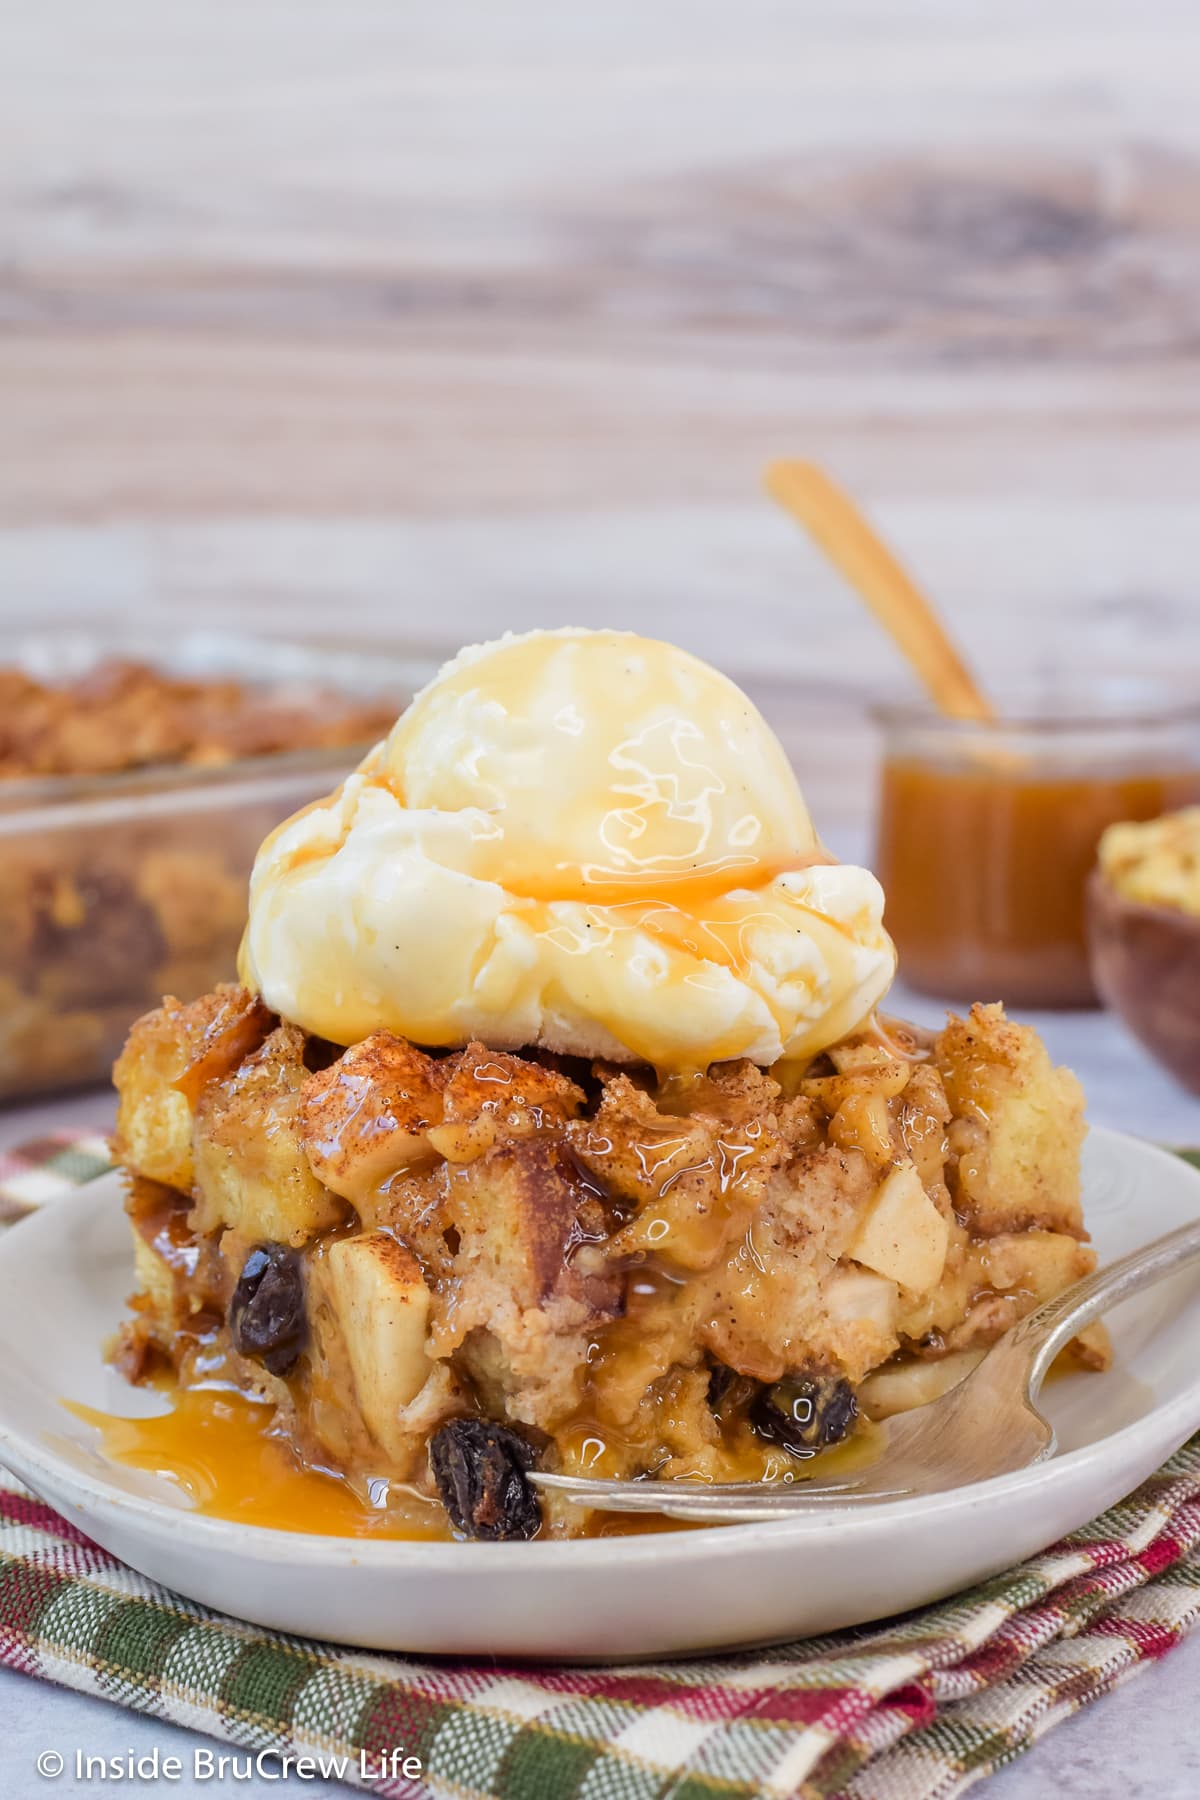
<point>118,888</point>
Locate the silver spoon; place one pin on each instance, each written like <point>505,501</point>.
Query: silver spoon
<point>987,1425</point>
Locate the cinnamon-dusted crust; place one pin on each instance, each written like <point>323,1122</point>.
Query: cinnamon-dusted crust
<point>619,1270</point>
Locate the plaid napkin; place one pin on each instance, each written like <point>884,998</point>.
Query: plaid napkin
<point>915,1709</point>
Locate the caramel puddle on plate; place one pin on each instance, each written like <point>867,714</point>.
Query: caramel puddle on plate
<point>218,1446</point>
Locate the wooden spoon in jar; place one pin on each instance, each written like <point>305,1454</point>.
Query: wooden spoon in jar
<point>841,531</point>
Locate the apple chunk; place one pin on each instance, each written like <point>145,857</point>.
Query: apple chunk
<point>853,1297</point>
<point>903,1235</point>
<point>382,1306</point>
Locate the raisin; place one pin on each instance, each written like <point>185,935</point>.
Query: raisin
<point>730,1394</point>
<point>805,1414</point>
<point>720,1379</point>
<point>480,1469</point>
<point>266,1315</point>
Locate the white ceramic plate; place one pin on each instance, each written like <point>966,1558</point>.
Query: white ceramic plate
<point>64,1275</point>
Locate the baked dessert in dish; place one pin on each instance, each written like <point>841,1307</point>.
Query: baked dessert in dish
<point>125,715</point>
<point>113,890</point>
<point>556,1123</point>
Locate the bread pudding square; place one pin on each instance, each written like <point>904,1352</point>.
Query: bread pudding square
<point>608,1272</point>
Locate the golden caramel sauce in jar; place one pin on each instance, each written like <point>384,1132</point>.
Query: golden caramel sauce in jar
<point>987,833</point>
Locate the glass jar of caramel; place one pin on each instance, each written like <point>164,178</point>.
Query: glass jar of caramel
<point>987,832</point>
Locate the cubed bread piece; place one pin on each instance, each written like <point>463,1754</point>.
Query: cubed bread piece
<point>1036,1264</point>
<point>491,1096</point>
<point>636,1150</point>
<point>158,1297</point>
<point>1017,1129</point>
<point>1009,1275</point>
<point>366,1117</point>
<point>845,1322</point>
<point>170,1055</point>
<point>178,1279</point>
<point>696,1178</point>
<point>251,1173</point>
<point>159,1217</point>
<point>525,1215</point>
<point>771,1307</point>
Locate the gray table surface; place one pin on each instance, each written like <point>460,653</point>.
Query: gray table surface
<point>1143,1740</point>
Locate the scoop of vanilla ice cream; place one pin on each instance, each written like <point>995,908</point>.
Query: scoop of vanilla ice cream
<point>585,840</point>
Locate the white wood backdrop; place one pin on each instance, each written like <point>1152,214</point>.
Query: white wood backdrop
<point>423,318</point>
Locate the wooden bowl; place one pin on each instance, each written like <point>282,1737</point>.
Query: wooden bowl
<point>1146,966</point>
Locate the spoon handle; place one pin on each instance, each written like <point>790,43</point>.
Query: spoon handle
<point>853,546</point>
<point>1043,1332</point>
